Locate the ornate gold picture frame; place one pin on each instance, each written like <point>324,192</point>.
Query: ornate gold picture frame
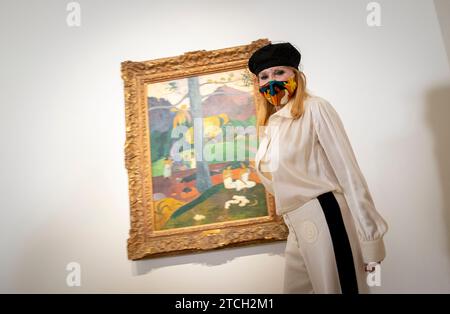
<point>184,197</point>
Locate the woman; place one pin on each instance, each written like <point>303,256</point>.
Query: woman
<point>306,161</point>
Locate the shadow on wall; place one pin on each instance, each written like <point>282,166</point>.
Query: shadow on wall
<point>437,114</point>
<point>209,258</point>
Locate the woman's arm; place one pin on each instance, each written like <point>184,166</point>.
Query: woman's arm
<point>370,225</point>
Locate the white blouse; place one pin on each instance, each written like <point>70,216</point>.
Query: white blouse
<point>313,155</point>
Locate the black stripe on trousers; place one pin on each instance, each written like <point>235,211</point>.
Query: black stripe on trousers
<point>341,244</point>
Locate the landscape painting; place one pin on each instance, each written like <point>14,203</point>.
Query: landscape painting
<point>188,191</point>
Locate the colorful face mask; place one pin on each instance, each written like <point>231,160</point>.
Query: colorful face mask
<point>278,92</point>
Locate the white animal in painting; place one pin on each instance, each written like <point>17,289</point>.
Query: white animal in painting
<point>237,199</point>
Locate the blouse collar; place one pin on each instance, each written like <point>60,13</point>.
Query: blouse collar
<point>285,111</point>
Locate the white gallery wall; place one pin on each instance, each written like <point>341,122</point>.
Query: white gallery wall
<point>64,188</point>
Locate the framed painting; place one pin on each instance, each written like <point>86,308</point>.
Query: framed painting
<point>190,145</point>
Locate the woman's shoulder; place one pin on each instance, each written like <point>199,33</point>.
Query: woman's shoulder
<point>315,104</point>
<point>320,108</point>
<point>315,100</point>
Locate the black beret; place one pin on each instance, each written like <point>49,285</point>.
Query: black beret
<point>274,55</point>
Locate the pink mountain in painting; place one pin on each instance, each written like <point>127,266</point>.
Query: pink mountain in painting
<point>238,105</point>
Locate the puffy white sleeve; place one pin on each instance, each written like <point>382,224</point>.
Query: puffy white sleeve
<point>370,226</point>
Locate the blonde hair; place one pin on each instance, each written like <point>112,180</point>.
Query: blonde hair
<point>264,109</point>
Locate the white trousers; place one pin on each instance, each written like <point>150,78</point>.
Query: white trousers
<point>322,253</point>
